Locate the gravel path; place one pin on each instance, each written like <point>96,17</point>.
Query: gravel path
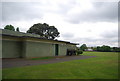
<point>9,63</point>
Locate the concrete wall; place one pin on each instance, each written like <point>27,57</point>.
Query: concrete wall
<point>69,46</point>
<point>62,49</point>
<point>11,49</point>
<point>0,48</point>
<point>39,49</point>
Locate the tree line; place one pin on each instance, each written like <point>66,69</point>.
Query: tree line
<point>10,27</point>
<point>103,48</point>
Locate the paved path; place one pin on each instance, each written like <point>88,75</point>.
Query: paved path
<point>9,63</point>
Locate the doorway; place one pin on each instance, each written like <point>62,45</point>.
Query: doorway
<point>56,49</point>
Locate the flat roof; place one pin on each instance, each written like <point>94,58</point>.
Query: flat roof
<point>10,33</point>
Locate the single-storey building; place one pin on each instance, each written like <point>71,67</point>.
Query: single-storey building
<point>25,45</point>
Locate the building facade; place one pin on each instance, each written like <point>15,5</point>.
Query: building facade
<point>24,45</point>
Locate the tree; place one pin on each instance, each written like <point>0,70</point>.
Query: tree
<point>17,29</point>
<point>116,49</point>
<point>9,27</point>
<point>44,30</point>
<point>83,47</point>
<point>103,48</point>
<point>99,48</point>
<point>94,48</point>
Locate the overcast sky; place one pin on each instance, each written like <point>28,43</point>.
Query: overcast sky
<point>91,22</point>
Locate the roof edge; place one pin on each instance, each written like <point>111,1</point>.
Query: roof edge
<point>28,35</point>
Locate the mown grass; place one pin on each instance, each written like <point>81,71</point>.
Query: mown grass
<point>104,66</point>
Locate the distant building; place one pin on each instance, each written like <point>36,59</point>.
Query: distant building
<point>25,45</point>
<point>89,49</point>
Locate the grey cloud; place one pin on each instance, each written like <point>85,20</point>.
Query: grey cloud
<point>64,8</point>
<point>95,41</point>
<point>110,34</point>
<point>119,12</point>
<point>109,38</point>
<point>89,30</point>
<point>67,35</point>
<point>0,13</point>
<point>107,11</point>
<point>16,11</point>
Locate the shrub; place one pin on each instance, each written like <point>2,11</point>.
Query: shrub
<point>79,52</point>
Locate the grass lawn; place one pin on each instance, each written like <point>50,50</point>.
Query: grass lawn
<point>104,66</point>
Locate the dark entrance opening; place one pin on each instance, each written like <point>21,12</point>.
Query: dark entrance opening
<point>56,49</point>
<point>71,52</point>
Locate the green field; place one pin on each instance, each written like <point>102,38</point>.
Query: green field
<point>104,66</point>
